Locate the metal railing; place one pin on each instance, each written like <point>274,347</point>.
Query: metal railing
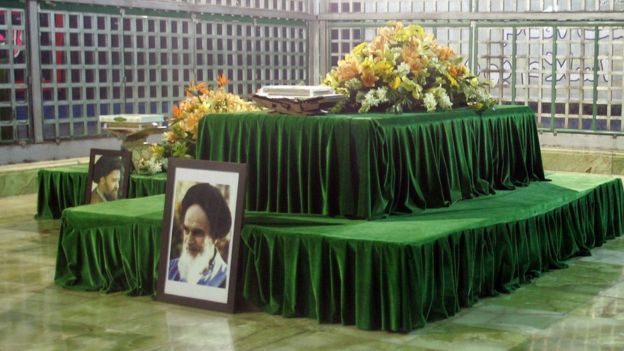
<point>537,53</point>
<point>92,59</point>
<point>564,58</point>
<point>15,121</point>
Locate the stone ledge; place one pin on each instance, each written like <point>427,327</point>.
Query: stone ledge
<point>43,164</point>
<point>21,178</point>
<point>585,161</point>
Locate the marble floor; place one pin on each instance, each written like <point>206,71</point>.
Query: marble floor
<point>577,308</point>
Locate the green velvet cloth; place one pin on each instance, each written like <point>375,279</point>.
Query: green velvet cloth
<point>111,246</point>
<point>392,274</point>
<point>147,185</point>
<point>371,165</point>
<point>395,274</point>
<point>60,188</point>
<point>64,187</point>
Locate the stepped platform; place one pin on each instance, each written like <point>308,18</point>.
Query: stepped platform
<point>393,274</point>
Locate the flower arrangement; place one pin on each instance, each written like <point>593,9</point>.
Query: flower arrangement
<point>149,165</point>
<point>179,140</point>
<point>405,69</point>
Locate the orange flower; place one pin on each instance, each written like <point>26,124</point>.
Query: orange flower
<point>170,137</point>
<point>191,90</point>
<point>346,70</point>
<point>416,62</point>
<point>456,71</point>
<point>196,89</point>
<point>222,80</point>
<point>176,112</point>
<point>444,53</point>
<point>378,44</point>
<point>202,88</point>
<point>369,78</point>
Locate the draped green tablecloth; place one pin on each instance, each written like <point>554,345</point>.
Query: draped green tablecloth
<point>393,274</point>
<point>64,187</point>
<point>371,165</point>
<point>111,246</point>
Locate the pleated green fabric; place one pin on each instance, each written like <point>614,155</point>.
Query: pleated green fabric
<point>398,273</point>
<point>111,246</point>
<point>392,274</point>
<point>371,165</point>
<point>64,187</point>
<point>147,185</point>
<point>60,188</point>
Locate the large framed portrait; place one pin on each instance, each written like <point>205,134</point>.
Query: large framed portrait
<point>109,173</point>
<point>201,233</point>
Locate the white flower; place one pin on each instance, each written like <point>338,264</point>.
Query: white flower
<point>149,165</point>
<point>373,98</point>
<point>370,100</point>
<point>396,52</point>
<point>429,101</point>
<point>353,84</point>
<point>444,101</point>
<point>155,166</point>
<point>403,69</point>
<point>382,94</point>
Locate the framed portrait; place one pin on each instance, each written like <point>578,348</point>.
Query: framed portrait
<point>109,173</point>
<point>201,233</point>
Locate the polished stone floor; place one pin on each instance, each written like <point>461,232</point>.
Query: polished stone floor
<point>577,308</point>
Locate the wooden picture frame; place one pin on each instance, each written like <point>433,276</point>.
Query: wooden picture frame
<point>201,234</point>
<point>109,185</point>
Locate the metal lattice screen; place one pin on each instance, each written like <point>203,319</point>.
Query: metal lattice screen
<point>135,61</point>
<point>345,6</point>
<point>571,76</point>
<point>158,62</point>
<point>14,108</point>
<point>82,71</point>
<point>550,5</point>
<point>252,55</point>
<point>580,90</point>
<point>280,5</point>
<point>342,38</point>
<point>101,59</point>
<point>378,6</point>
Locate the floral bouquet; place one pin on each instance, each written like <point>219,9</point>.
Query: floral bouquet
<point>405,69</point>
<point>179,141</point>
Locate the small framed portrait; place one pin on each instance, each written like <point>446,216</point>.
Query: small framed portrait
<point>109,172</point>
<point>201,233</point>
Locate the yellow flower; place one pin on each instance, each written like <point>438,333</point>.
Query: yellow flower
<point>367,73</point>
<point>358,50</point>
<point>396,83</point>
<point>169,136</point>
<point>414,31</point>
<point>407,60</point>
<point>383,68</point>
<point>452,81</point>
<point>200,100</point>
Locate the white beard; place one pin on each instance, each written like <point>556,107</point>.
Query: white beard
<point>191,268</point>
